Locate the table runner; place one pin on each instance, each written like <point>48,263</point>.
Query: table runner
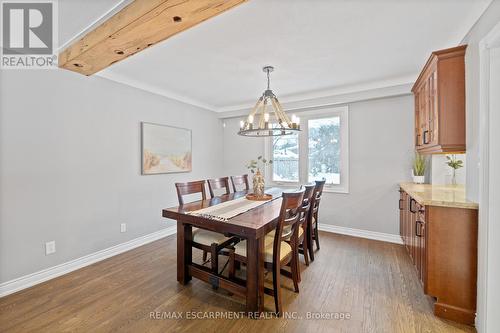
<point>226,210</point>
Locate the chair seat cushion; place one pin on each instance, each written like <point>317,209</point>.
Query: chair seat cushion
<point>206,237</point>
<point>286,249</point>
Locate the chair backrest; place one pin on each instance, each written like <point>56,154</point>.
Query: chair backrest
<point>240,180</point>
<point>316,198</point>
<point>290,213</point>
<point>306,204</point>
<point>190,188</point>
<point>217,183</point>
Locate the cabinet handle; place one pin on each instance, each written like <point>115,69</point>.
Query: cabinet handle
<point>411,205</point>
<point>425,137</point>
<point>400,204</point>
<point>417,143</point>
<point>417,223</point>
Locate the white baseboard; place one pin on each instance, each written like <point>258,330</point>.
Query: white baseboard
<point>380,236</point>
<point>29,280</point>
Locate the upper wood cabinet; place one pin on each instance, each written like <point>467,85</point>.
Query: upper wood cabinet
<point>440,103</point>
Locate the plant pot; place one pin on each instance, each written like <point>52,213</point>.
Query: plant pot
<point>418,179</point>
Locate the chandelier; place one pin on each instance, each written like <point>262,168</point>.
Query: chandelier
<point>267,117</point>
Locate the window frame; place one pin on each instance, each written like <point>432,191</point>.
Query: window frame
<point>305,116</point>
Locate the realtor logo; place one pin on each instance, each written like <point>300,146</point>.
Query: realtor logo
<point>28,35</point>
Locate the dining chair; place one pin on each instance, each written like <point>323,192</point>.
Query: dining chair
<point>205,240</point>
<point>313,217</point>
<point>302,246</point>
<point>218,183</point>
<point>278,250</point>
<point>302,235</point>
<point>240,180</point>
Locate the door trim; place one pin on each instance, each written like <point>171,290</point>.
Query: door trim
<point>491,40</point>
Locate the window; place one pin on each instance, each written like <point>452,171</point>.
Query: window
<point>286,158</point>
<point>324,149</point>
<point>319,151</point>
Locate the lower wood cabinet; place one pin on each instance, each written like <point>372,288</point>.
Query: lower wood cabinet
<point>442,243</point>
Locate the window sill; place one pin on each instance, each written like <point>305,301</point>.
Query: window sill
<point>335,190</point>
<point>292,185</point>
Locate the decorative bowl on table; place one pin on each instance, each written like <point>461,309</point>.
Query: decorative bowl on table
<point>264,197</point>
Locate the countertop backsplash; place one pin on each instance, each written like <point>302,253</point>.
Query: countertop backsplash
<point>441,173</point>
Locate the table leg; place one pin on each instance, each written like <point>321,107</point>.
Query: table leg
<point>184,252</point>
<point>255,275</point>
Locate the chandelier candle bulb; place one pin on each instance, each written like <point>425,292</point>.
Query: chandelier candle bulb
<point>294,120</point>
<point>242,124</point>
<point>266,120</point>
<point>250,122</point>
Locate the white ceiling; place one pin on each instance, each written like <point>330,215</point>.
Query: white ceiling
<point>318,47</point>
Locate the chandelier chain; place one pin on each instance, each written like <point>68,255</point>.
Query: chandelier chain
<point>268,80</point>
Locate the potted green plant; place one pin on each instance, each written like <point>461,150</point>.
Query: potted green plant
<point>454,164</point>
<point>258,179</point>
<point>418,170</point>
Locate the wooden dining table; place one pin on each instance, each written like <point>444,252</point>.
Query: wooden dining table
<point>251,225</point>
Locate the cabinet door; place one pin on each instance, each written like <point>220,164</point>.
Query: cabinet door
<point>418,133</point>
<point>406,221</point>
<point>417,237</point>
<point>411,233</point>
<point>421,120</point>
<point>420,254</point>
<point>435,109</point>
<point>423,254</point>
<point>401,214</point>
<point>425,115</point>
<point>421,234</point>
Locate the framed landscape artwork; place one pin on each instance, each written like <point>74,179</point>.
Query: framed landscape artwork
<point>165,149</point>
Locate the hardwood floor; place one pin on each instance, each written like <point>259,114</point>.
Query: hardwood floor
<point>372,282</point>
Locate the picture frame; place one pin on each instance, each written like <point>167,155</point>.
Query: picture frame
<point>165,149</point>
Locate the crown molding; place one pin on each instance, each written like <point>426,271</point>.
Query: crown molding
<point>153,89</point>
<point>327,93</point>
<point>296,102</point>
<point>333,100</point>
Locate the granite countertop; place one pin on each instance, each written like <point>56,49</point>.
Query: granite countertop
<point>439,195</point>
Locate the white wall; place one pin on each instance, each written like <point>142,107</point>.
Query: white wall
<point>492,287</point>
<point>443,174</point>
<point>381,150</point>
<point>70,165</point>
<point>487,21</point>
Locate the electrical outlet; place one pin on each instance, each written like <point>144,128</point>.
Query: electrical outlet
<point>123,227</point>
<point>50,247</point>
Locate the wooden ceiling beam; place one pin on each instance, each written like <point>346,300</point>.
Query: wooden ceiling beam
<point>139,25</point>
